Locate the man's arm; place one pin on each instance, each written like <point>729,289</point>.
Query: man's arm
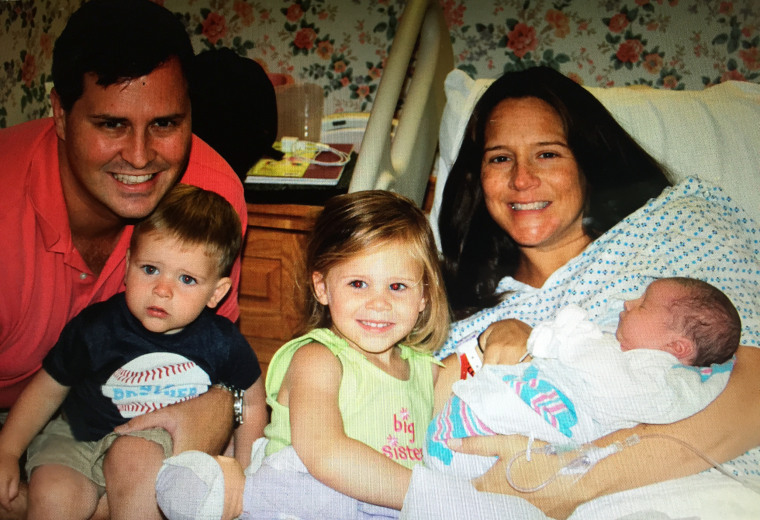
<point>255,417</point>
<point>725,429</point>
<point>203,423</point>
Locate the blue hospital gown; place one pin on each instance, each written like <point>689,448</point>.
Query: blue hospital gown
<point>692,229</point>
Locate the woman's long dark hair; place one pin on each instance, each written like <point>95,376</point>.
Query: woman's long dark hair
<point>620,176</point>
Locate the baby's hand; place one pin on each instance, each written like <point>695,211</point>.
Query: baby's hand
<point>9,479</point>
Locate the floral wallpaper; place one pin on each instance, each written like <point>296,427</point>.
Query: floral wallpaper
<point>342,45</point>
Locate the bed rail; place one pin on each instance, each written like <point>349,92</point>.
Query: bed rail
<point>403,163</point>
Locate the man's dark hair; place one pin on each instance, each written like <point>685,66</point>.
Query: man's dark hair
<point>116,40</point>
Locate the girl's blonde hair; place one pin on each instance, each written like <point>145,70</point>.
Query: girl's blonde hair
<point>353,223</point>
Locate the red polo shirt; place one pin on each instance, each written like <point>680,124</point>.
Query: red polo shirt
<point>44,282</point>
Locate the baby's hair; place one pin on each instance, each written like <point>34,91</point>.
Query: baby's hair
<point>706,316</point>
<point>198,217</point>
<point>352,224</point>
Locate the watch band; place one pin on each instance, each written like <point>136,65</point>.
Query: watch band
<point>237,402</point>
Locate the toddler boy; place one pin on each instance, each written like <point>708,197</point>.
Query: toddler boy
<point>156,344</point>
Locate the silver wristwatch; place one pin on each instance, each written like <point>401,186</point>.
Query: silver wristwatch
<point>237,402</point>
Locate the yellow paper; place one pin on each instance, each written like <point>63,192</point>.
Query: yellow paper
<point>288,166</point>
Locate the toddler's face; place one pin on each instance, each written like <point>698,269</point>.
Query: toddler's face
<point>169,282</point>
<point>646,322</point>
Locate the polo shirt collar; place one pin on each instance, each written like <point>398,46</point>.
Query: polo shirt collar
<point>46,194</point>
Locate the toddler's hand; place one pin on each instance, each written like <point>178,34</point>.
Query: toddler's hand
<point>9,479</point>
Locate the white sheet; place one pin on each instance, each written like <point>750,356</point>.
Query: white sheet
<point>706,496</point>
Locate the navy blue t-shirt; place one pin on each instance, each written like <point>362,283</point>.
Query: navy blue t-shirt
<point>117,369</point>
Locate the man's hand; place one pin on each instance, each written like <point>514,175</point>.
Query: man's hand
<point>503,342</point>
<point>203,423</point>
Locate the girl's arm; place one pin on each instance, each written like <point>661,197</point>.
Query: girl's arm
<point>725,429</point>
<point>255,417</point>
<point>33,409</point>
<point>447,376</point>
<point>346,465</point>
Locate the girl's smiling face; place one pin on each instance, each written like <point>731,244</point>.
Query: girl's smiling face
<point>374,297</point>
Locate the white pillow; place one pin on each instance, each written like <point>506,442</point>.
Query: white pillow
<point>713,134</point>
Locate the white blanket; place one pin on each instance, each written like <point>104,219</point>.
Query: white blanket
<point>579,387</point>
<point>706,496</point>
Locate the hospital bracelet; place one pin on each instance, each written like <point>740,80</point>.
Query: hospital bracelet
<point>237,402</point>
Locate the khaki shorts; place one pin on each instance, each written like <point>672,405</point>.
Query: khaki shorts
<point>55,444</point>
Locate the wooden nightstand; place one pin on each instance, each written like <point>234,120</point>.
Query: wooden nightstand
<point>272,260</point>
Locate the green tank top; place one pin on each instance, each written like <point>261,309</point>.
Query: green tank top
<point>379,410</point>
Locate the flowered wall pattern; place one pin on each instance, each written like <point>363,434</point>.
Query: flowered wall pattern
<point>342,45</point>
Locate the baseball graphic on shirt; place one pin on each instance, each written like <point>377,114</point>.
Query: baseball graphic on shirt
<point>153,381</point>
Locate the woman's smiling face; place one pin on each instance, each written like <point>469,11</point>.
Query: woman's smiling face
<point>532,185</point>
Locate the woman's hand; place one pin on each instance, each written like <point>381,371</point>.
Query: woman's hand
<point>504,342</point>
<point>558,499</point>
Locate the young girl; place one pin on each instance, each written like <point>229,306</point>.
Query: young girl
<point>350,399</point>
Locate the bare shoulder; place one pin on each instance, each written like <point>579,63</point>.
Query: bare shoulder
<point>312,356</point>
<point>312,368</point>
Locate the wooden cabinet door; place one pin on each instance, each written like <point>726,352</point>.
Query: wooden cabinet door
<point>270,305</point>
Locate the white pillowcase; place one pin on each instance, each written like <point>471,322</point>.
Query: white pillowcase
<point>713,134</point>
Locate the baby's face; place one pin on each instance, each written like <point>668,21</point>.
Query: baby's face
<point>646,322</point>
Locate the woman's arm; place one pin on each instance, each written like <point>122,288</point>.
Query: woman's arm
<point>346,465</point>
<point>447,375</point>
<point>725,429</point>
<point>504,342</point>
<point>255,417</point>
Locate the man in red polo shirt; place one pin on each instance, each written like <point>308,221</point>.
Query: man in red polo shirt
<point>119,139</point>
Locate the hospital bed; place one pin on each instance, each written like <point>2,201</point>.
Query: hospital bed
<point>713,134</point>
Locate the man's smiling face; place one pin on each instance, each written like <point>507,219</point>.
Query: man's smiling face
<point>126,144</point>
